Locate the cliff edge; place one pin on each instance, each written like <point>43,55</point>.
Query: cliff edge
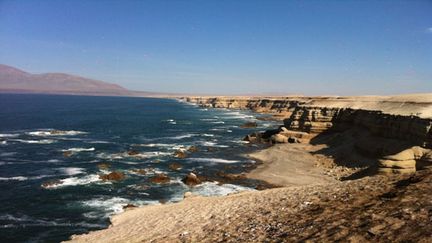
<point>393,133</point>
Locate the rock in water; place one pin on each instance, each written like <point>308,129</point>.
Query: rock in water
<point>67,154</point>
<point>211,149</point>
<point>140,171</point>
<point>192,149</point>
<point>191,180</point>
<point>180,154</point>
<point>132,152</point>
<point>113,176</point>
<point>175,166</point>
<point>160,179</point>
<point>52,183</point>
<point>249,125</point>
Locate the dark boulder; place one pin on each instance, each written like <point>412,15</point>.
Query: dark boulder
<point>180,154</point>
<point>132,152</point>
<point>67,154</point>
<point>51,183</point>
<point>113,176</point>
<point>175,166</point>
<point>191,180</point>
<point>249,125</point>
<point>160,179</point>
<point>192,149</point>
<point>129,206</point>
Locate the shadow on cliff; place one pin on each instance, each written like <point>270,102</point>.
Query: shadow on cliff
<point>356,147</point>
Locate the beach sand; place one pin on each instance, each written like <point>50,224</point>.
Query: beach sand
<point>289,165</point>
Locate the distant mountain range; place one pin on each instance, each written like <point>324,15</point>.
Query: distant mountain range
<point>13,80</point>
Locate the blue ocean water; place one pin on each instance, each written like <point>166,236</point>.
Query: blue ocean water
<point>56,138</point>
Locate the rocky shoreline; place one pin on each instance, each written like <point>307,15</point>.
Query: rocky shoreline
<point>351,169</point>
<point>394,132</point>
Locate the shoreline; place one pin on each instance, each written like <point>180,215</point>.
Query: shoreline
<point>264,168</point>
<point>312,193</point>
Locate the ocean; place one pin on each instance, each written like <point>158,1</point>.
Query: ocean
<point>52,148</point>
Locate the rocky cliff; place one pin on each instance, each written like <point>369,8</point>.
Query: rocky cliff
<point>396,131</point>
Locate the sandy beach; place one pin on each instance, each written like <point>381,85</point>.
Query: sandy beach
<point>292,165</point>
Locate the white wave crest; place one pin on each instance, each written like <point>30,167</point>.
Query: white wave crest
<point>71,170</point>
<point>75,181</point>
<point>213,189</point>
<point>237,115</point>
<point>151,145</point>
<point>24,178</point>
<point>78,149</point>
<point>183,136</point>
<point>209,119</point>
<point>146,155</point>
<point>14,178</point>
<point>98,142</point>
<point>42,141</point>
<point>23,221</point>
<point>7,154</point>
<point>52,132</point>
<point>8,135</point>
<point>110,206</point>
<point>214,160</point>
<point>213,144</point>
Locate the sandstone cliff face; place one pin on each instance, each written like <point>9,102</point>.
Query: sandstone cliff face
<point>396,131</point>
<point>398,141</point>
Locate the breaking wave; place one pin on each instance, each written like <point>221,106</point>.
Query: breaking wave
<point>74,181</point>
<point>8,135</point>
<point>78,149</point>
<point>52,132</point>
<point>42,141</point>
<point>214,160</point>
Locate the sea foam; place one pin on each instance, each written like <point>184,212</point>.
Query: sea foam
<point>214,160</point>
<point>52,132</point>
<point>78,149</point>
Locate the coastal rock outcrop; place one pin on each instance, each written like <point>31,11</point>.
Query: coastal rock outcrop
<point>113,176</point>
<point>175,166</point>
<point>249,125</point>
<point>191,180</point>
<point>375,124</point>
<point>180,154</point>
<point>160,179</point>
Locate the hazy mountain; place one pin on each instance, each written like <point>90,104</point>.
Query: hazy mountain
<point>18,81</point>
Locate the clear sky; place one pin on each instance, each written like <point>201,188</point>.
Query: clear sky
<point>226,47</point>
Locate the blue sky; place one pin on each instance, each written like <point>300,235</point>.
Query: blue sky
<point>226,47</point>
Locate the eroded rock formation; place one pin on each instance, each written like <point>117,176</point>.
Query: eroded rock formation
<point>395,131</point>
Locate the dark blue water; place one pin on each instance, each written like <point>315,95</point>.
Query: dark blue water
<point>62,139</point>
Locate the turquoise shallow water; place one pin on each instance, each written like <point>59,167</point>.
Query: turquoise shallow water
<point>37,130</point>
